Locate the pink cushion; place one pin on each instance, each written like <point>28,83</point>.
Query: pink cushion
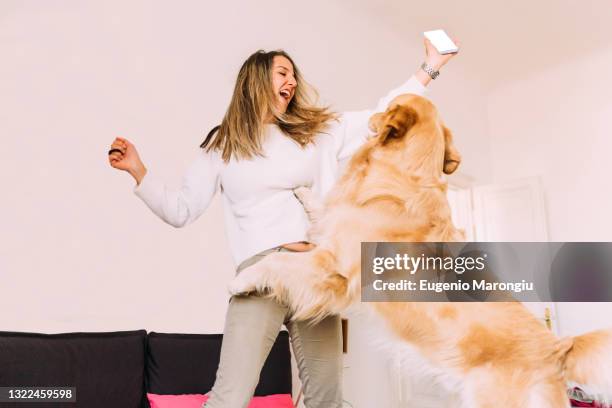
<point>196,401</point>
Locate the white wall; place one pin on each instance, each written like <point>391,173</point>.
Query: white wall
<point>556,124</point>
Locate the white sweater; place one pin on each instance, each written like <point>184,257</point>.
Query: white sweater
<point>260,208</point>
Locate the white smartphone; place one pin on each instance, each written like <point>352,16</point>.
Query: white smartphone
<point>441,41</point>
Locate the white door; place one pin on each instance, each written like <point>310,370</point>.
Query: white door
<point>511,212</point>
<point>514,211</point>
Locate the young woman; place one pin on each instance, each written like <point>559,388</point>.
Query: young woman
<point>271,140</point>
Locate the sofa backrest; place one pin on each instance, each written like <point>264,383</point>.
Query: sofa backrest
<point>107,369</point>
<point>187,364</point>
<point>116,369</point>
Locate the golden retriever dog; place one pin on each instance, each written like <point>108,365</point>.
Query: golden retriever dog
<point>493,354</point>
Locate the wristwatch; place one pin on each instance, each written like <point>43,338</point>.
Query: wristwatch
<point>430,71</point>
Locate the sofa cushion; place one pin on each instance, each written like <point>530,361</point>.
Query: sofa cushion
<point>196,401</point>
<point>187,364</point>
<point>107,369</point>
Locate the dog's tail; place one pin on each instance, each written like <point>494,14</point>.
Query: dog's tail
<point>588,363</point>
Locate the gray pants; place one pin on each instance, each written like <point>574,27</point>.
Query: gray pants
<point>251,327</point>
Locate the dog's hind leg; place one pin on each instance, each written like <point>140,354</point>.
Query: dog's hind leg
<point>490,387</point>
<point>548,396</point>
<point>307,282</point>
<point>487,387</point>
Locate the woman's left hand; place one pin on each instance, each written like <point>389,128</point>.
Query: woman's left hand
<point>434,59</point>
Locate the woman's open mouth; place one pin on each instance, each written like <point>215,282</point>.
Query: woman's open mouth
<point>286,94</point>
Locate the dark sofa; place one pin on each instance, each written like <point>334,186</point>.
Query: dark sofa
<point>117,369</point>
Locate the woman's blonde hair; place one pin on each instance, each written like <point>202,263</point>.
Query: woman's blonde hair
<point>241,131</point>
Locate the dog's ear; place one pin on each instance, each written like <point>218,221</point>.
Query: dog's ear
<point>452,158</point>
<point>397,122</point>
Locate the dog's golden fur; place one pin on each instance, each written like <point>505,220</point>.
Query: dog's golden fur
<point>392,191</point>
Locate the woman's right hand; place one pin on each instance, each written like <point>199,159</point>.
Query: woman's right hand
<point>127,159</point>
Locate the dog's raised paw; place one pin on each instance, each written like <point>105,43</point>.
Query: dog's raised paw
<point>304,194</point>
<point>239,286</point>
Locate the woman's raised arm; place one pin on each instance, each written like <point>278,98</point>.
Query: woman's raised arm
<point>352,129</point>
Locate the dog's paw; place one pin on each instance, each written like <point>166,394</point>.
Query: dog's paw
<point>304,194</point>
<point>240,285</point>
